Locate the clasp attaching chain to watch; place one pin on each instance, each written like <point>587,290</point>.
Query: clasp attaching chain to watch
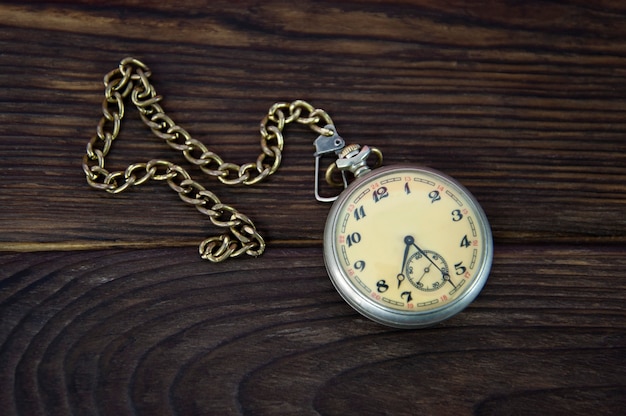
<point>350,158</point>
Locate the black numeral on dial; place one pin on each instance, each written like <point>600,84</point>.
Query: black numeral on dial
<point>407,295</point>
<point>382,286</point>
<point>434,196</point>
<point>354,238</point>
<point>456,215</point>
<point>359,213</point>
<point>359,265</point>
<point>380,193</point>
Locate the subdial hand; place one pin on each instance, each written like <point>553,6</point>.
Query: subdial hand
<point>426,270</point>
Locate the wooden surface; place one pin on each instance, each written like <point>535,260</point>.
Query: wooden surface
<point>106,308</point>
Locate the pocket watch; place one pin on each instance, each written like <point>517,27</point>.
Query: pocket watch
<point>405,246</point>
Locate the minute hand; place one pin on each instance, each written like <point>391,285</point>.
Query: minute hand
<point>423,253</point>
<point>444,274</point>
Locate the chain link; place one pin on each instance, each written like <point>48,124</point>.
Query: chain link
<point>132,78</point>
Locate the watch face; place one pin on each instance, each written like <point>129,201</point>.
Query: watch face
<point>407,247</point>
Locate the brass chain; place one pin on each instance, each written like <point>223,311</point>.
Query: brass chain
<point>132,78</point>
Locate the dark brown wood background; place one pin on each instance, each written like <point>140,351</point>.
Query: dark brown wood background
<point>106,307</point>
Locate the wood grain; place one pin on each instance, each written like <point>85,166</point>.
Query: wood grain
<point>271,336</point>
<point>105,307</point>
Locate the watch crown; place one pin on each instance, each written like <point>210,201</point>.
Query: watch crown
<point>346,151</point>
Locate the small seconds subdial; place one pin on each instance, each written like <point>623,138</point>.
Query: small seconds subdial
<point>427,271</point>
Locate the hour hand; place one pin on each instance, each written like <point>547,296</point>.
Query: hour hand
<point>408,241</point>
<point>400,278</point>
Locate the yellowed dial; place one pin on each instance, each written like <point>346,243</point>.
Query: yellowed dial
<point>407,247</point>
